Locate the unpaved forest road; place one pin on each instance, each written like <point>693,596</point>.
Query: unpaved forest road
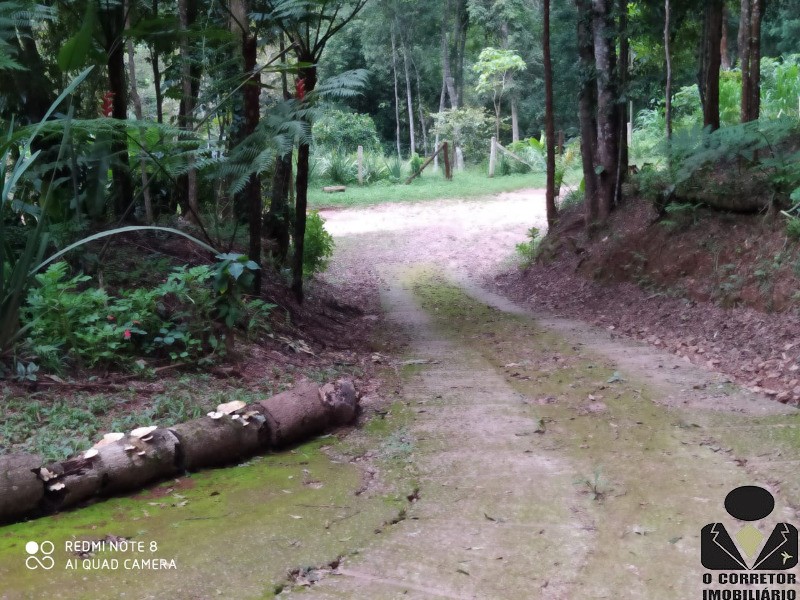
<point>553,461</point>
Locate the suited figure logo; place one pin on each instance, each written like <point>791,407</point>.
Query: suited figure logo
<point>749,551</point>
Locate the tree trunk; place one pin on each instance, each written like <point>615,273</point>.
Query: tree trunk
<point>712,62</point>
<point>277,222</point>
<point>753,88</point>
<point>725,56</point>
<point>420,111</point>
<point>622,105</point>
<point>308,75</point>
<point>409,99</point>
<point>744,58</point>
<point>462,27</point>
<point>436,142</point>
<point>157,73</point>
<point>668,56</point>
<point>447,75</point>
<point>396,95</point>
<point>514,120</point>
<point>550,128</point>
<point>115,50</point>
<point>252,190</point>
<point>187,11</point>
<point>587,104</point>
<point>137,109</point>
<point>607,130</point>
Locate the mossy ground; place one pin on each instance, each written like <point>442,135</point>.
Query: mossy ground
<point>233,533</point>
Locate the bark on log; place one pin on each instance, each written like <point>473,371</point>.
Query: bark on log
<point>208,442</point>
<point>20,489</point>
<point>307,410</point>
<point>126,465</point>
<point>152,458</point>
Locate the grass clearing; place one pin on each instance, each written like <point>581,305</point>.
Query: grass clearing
<point>470,183</point>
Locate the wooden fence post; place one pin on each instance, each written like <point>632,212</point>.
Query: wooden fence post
<point>492,156</point>
<point>448,174</point>
<point>361,165</point>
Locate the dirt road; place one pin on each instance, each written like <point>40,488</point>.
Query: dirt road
<point>522,456</point>
<point>553,462</point>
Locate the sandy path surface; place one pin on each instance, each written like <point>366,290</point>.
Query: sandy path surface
<point>553,462</point>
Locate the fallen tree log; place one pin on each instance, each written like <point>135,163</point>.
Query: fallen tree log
<point>126,462</point>
<point>125,465</point>
<point>207,442</point>
<point>20,489</point>
<point>307,410</point>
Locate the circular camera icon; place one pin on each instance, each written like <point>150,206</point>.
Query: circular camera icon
<point>39,555</point>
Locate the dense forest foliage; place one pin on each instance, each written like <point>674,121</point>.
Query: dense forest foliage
<point>209,120</point>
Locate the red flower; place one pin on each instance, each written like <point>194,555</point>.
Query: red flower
<point>127,334</point>
<point>108,104</point>
<point>111,318</point>
<point>300,89</point>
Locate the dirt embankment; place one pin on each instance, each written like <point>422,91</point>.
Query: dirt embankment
<point>716,289</point>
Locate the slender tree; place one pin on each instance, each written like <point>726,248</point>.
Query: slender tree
<point>711,62</point>
<point>587,103</point>
<point>550,128</point>
<point>668,57</point>
<point>752,13</point>
<point>309,27</point>
<point>607,113</point>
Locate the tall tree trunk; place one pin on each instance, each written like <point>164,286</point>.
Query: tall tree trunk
<point>441,108</point>
<point>724,52</point>
<point>447,74</point>
<point>550,127</point>
<point>114,26</point>
<point>587,102</point>
<point>514,120</point>
<point>409,99</point>
<point>308,75</point>
<point>712,62</point>
<point>744,57</point>
<point>186,14</point>
<point>607,130</point>
<point>668,56</point>
<point>396,94</point>
<point>277,222</point>
<point>252,114</point>
<point>459,47</point>
<point>622,104</point>
<point>137,109</point>
<point>420,111</point>
<point>157,73</point>
<point>753,87</point>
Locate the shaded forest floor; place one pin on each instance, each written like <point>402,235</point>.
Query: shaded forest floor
<point>715,289</point>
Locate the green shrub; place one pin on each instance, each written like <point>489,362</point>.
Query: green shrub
<point>793,227</point>
<point>469,128</point>
<point>394,169</point>
<point>345,131</point>
<point>415,163</point>
<point>339,167</point>
<point>182,318</point>
<point>529,251</point>
<point>317,245</point>
<point>573,198</point>
<point>375,168</point>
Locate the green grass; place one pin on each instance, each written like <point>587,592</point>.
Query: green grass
<point>431,186</point>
